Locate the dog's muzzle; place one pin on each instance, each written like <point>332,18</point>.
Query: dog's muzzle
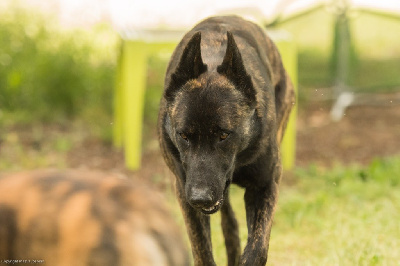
<point>202,199</point>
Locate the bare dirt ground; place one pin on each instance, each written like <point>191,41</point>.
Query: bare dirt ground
<point>364,133</point>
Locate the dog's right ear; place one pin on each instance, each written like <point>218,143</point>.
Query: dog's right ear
<point>233,68</point>
<point>190,66</point>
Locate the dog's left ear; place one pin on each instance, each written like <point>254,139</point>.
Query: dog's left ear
<point>190,66</point>
<point>233,68</point>
<point>285,98</point>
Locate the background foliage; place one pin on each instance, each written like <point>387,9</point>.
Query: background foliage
<point>49,74</point>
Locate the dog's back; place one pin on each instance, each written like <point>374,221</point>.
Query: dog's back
<point>82,218</point>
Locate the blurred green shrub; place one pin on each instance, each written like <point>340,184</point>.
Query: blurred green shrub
<point>48,73</point>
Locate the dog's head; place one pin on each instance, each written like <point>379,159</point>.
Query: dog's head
<point>210,120</point>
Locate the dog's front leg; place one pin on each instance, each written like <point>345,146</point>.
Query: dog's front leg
<point>260,203</point>
<point>198,228</point>
<point>230,230</point>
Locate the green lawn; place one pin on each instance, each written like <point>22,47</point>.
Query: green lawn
<point>338,216</point>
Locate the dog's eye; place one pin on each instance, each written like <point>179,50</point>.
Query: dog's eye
<point>183,136</point>
<point>223,136</point>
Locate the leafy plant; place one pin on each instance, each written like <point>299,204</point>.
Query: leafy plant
<point>48,73</point>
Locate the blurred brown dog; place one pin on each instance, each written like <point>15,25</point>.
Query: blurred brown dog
<point>81,218</point>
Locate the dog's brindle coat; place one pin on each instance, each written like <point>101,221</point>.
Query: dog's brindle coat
<point>225,106</point>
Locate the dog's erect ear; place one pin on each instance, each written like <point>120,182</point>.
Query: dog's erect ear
<point>284,101</point>
<point>233,68</point>
<point>190,66</point>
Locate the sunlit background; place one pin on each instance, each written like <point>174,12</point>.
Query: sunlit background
<point>339,203</point>
<point>156,13</point>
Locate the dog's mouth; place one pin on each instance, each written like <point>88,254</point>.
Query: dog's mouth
<point>213,208</point>
<point>218,204</point>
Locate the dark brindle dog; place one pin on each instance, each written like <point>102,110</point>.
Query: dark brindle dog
<point>226,102</point>
<point>84,218</point>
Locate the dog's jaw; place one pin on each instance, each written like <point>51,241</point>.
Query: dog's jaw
<point>218,204</point>
<point>214,208</point>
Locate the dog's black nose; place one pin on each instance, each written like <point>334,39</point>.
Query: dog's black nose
<point>200,197</point>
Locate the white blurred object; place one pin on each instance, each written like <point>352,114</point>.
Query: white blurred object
<point>172,14</point>
<point>344,100</point>
<point>138,16</point>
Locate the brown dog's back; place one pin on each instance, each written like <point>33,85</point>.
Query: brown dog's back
<point>82,218</point>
